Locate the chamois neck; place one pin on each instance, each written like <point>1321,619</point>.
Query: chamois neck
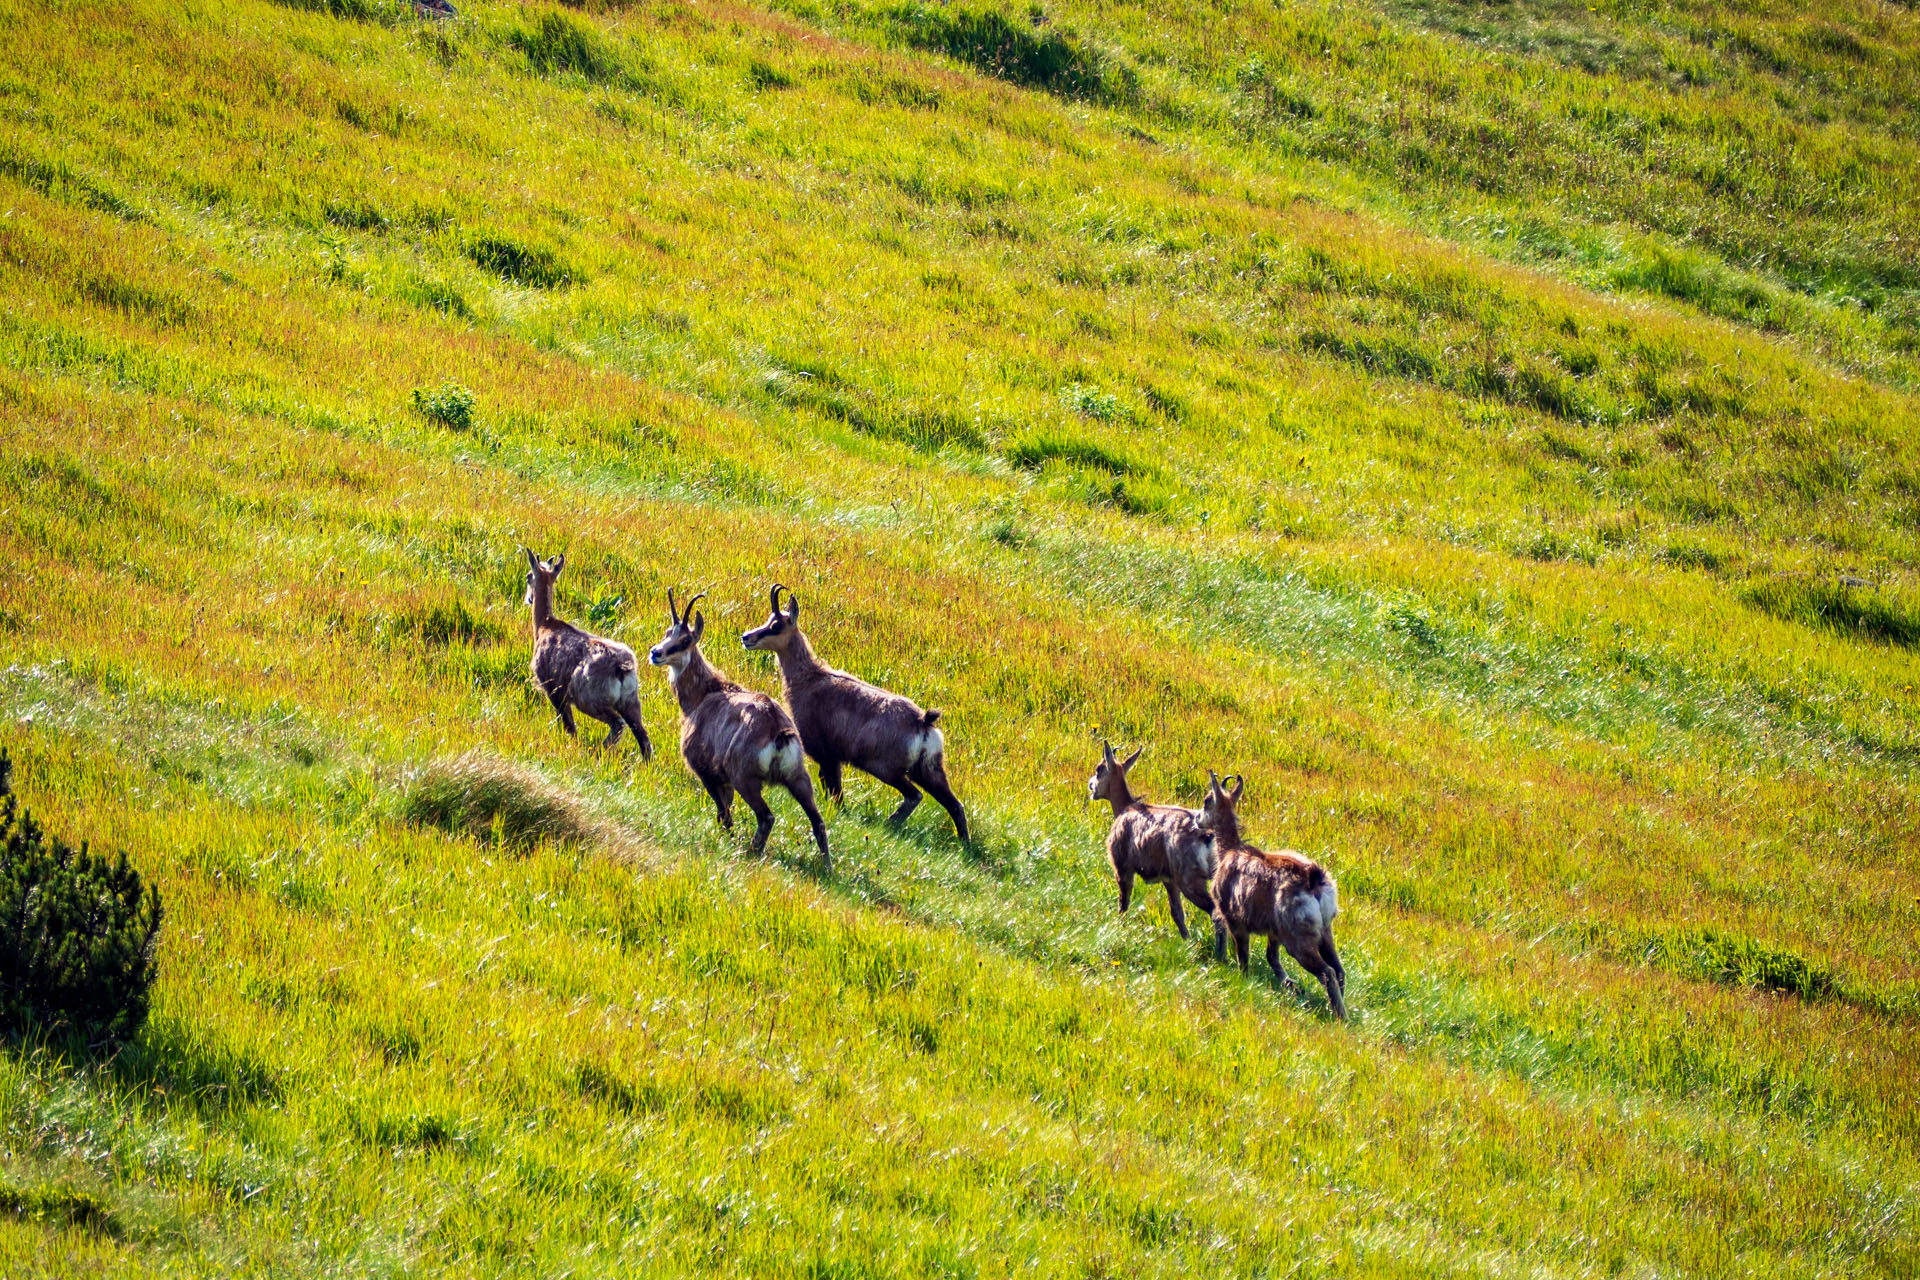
<point>797,661</point>
<point>1119,795</point>
<point>542,603</point>
<point>696,681</point>
<point>1226,830</point>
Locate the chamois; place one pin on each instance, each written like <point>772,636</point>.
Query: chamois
<point>1288,898</point>
<point>575,669</point>
<point>844,720</point>
<point>732,738</point>
<point>1159,843</point>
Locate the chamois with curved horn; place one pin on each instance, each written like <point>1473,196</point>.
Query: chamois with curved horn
<point>1160,843</point>
<point>844,720</point>
<point>574,669</point>
<point>1288,898</point>
<point>734,739</point>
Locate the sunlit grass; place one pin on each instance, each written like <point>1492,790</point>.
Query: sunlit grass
<point>1131,392</point>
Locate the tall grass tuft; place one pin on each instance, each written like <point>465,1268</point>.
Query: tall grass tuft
<point>1838,606</point>
<point>496,802</point>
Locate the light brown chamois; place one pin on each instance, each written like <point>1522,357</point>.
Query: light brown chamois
<point>1288,898</point>
<point>733,739</point>
<point>1160,843</point>
<point>574,669</point>
<point>844,720</point>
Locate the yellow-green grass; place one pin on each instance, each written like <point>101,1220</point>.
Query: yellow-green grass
<point>1487,581</point>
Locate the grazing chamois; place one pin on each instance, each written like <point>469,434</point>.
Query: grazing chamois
<point>844,720</point>
<point>1288,898</point>
<point>1160,843</point>
<point>732,738</point>
<point>574,669</point>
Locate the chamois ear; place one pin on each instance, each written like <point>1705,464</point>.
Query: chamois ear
<point>1106,750</point>
<point>1239,785</point>
<point>793,607</point>
<point>532,559</point>
<point>699,626</point>
<point>558,563</point>
<point>1135,756</point>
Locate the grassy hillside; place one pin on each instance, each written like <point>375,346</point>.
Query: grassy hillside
<point>1487,428</point>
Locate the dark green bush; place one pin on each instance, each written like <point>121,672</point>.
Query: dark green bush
<point>77,934</point>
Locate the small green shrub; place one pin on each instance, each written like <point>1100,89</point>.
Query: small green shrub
<point>1091,402</point>
<point>77,934</point>
<point>527,265</point>
<point>451,406</point>
<point>494,801</point>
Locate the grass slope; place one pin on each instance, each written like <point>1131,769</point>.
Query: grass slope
<point>1535,523</point>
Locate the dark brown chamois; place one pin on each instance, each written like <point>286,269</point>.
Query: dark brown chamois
<point>844,720</point>
<point>574,669</point>
<point>733,739</point>
<point>1160,843</point>
<point>1288,898</point>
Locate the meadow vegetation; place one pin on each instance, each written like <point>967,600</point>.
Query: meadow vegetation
<point>1487,428</point>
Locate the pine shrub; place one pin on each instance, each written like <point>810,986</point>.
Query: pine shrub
<point>77,934</point>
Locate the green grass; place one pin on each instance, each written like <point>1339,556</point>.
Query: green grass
<point>1484,427</point>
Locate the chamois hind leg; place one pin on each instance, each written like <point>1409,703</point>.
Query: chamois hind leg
<point>1308,954</point>
<point>933,776</point>
<point>1273,962</point>
<point>722,792</point>
<point>909,799</point>
<point>1332,958</point>
<point>802,792</point>
<point>631,714</point>
<point>762,813</point>
<point>615,727</point>
<point>1174,908</point>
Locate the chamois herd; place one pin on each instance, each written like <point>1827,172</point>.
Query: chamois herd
<point>738,741</point>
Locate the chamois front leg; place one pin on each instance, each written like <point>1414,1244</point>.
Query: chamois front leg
<point>1126,889</point>
<point>1240,950</point>
<point>563,708</point>
<point>830,779</point>
<point>1219,937</point>
<point>1173,906</point>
